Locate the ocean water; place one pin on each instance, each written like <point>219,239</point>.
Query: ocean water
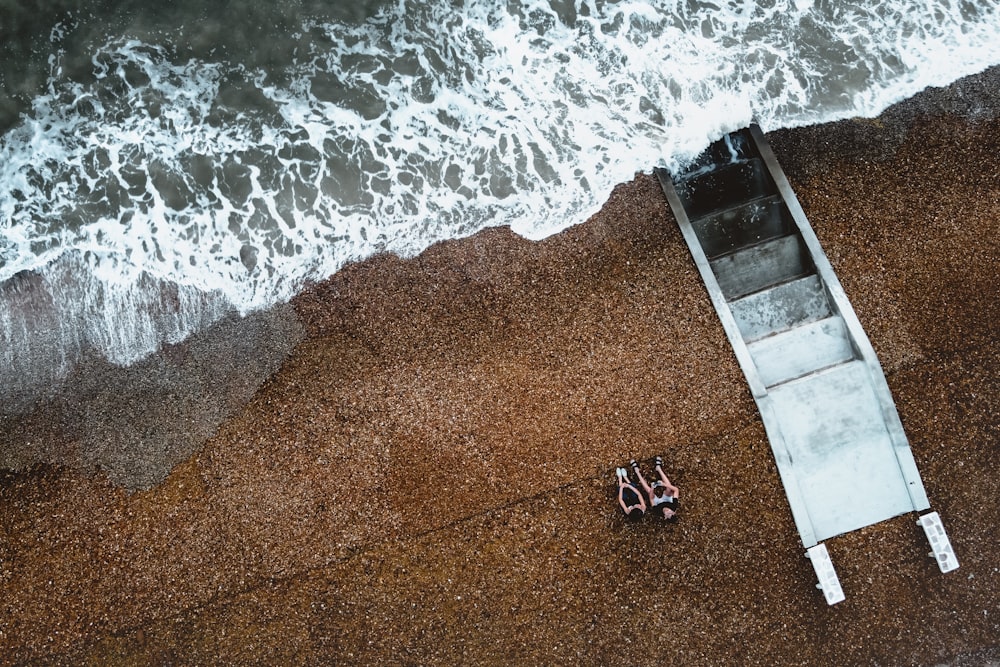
<point>160,168</point>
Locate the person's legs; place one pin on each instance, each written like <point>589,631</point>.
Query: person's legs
<point>671,489</point>
<point>623,483</point>
<point>642,480</point>
<point>627,496</point>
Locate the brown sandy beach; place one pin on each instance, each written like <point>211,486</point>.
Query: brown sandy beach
<point>429,476</point>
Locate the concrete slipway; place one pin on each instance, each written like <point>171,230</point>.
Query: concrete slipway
<point>834,431</point>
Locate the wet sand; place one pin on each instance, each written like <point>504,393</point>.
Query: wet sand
<point>429,476</point>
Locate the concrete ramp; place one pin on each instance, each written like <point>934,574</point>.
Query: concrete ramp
<point>831,421</point>
<point>840,452</point>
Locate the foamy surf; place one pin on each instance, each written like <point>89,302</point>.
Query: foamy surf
<point>177,190</point>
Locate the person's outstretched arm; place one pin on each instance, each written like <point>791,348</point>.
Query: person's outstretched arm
<point>621,498</point>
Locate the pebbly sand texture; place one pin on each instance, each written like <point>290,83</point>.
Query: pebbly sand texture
<point>429,476</point>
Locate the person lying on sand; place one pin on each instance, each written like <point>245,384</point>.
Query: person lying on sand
<point>663,496</point>
<point>629,497</point>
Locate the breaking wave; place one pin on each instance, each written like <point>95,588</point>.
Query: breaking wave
<point>146,196</point>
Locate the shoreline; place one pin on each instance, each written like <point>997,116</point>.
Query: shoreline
<point>429,473</point>
<point>203,359</point>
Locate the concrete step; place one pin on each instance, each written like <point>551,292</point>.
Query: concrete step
<point>724,187</point>
<point>781,307</point>
<point>745,225</point>
<point>761,266</point>
<point>805,349</point>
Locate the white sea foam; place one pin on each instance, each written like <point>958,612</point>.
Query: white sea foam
<point>428,122</point>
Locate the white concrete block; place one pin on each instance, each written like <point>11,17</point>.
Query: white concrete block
<point>940,544</point>
<point>829,583</point>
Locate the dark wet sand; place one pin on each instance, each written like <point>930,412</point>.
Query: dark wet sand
<point>429,476</point>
